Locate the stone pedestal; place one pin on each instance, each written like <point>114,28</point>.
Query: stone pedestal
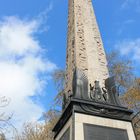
<point>87,120</point>
<point>89,127</point>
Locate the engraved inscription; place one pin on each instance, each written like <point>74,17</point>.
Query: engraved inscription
<point>85,49</point>
<point>94,132</point>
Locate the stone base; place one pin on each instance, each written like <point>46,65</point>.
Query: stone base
<point>82,120</point>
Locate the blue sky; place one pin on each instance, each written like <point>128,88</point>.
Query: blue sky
<point>37,31</point>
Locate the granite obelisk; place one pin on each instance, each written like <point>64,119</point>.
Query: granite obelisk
<point>91,107</point>
<point>85,49</point>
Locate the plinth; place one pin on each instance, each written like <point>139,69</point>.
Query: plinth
<point>86,118</point>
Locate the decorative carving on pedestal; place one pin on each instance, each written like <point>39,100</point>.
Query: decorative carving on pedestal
<point>98,94</point>
<point>100,101</point>
<point>107,94</point>
<point>80,85</point>
<point>112,91</point>
<point>101,110</point>
<point>91,107</point>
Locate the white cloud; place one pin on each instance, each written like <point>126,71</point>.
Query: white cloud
<point>23,69</point>
<point>129,21</point>
<point>16,37</point>
<point>124,25</point>
<point>131,4</point>
<point>126,3</point>
<point>130,48</point>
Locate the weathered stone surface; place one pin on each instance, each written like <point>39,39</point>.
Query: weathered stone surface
<point>84,44</point>
<point>81,119</point>
<point>104,133</point>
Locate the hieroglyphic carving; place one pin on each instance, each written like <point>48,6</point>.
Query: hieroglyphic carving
<point>95,47</point>
<point>84,45</point>
<point>76,50</point>
<point>80,40</point>
<point>70,59</point>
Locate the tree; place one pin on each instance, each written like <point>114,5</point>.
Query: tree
<point>40,131</point>
<point>132,99</point>
<point>2,137</point>
<point>43,131</point>
<point>128,84</point>
<point>4,118</point>
<point>59,80</point>
<point>122,69</point>
<point>132,96</point>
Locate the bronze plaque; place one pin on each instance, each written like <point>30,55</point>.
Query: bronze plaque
<point>95,132</point>
<point>66,135</point>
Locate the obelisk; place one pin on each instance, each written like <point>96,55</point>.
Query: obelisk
<point>85,49</point>
<point>91,107</point>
